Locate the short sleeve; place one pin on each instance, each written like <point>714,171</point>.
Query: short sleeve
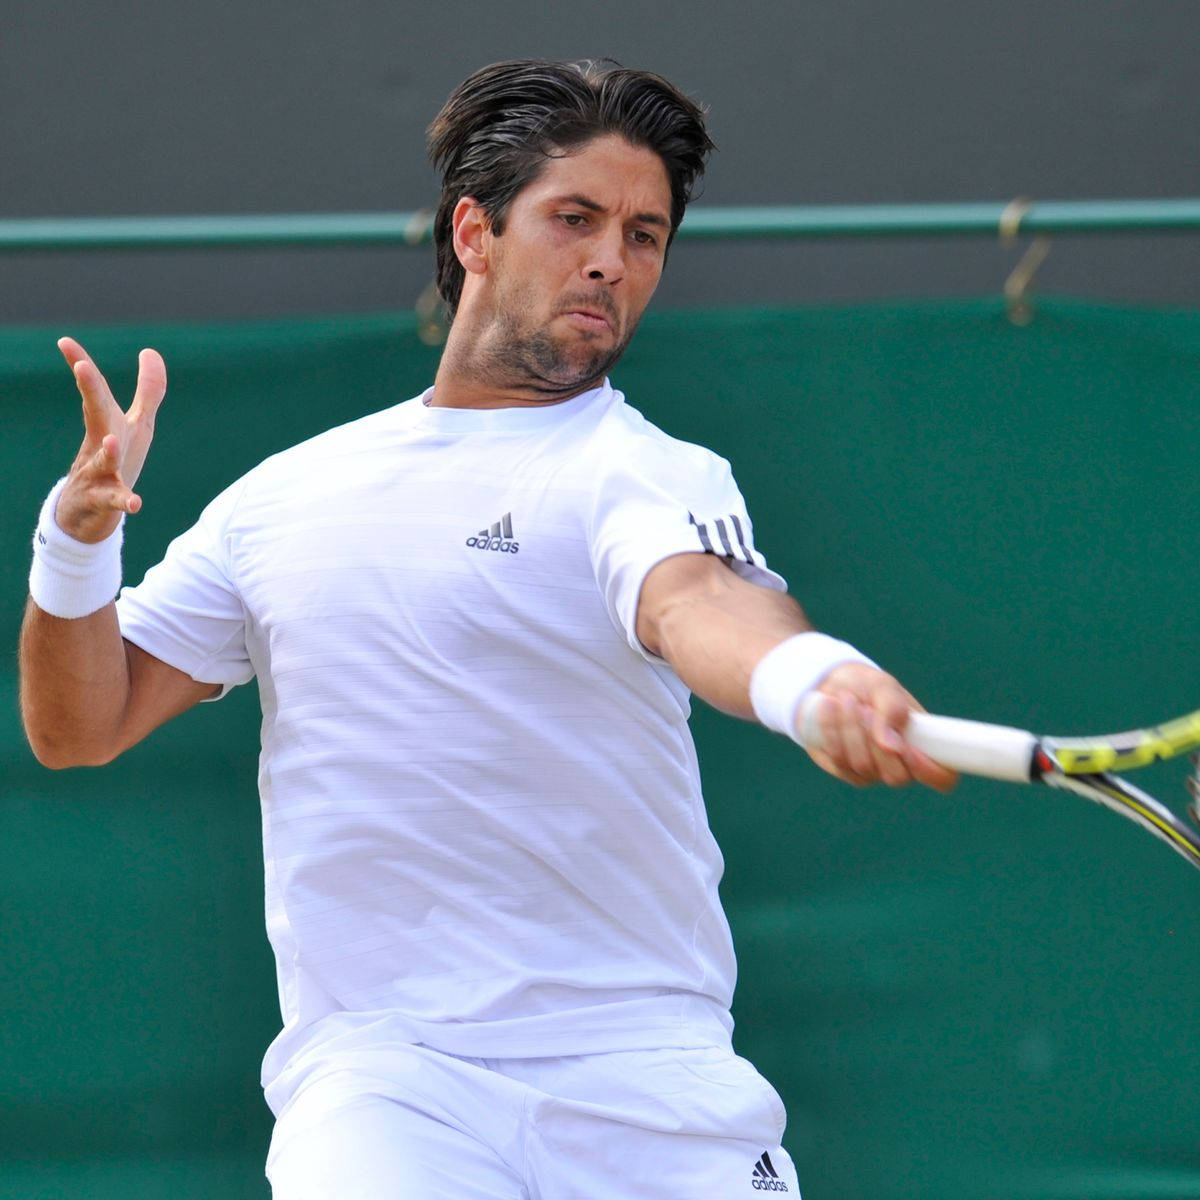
<point>187,611</point>
<point>668,498</point>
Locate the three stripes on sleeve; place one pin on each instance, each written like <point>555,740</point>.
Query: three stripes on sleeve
<point>721,527</point>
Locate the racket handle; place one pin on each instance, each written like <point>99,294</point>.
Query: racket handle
<point>972,747</point>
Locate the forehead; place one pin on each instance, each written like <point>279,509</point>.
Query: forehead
<point>608,170</point>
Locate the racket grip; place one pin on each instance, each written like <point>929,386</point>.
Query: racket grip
<point>972,747</point>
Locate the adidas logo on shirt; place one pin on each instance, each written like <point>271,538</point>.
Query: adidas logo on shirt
<point>764,1179</point>
<point>498,537</point>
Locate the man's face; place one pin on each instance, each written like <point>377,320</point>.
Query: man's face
<point>580,256</point>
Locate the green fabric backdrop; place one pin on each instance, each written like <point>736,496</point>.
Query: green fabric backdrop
<point>982,995</point>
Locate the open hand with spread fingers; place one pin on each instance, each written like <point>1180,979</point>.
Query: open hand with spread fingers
<point>100,483</point>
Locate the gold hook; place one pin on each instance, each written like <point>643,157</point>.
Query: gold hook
<point>432,325</point>
<point>419,225</point>
<point>1016,287</point>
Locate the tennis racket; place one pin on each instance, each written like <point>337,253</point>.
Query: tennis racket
<point>1084,766</point>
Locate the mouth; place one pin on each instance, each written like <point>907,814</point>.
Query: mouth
<point>589,319</point>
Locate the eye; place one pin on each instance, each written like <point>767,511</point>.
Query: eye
<point>572,218</point>
<point>644,237</point>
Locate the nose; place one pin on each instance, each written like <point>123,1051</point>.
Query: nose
<point>605,261</point>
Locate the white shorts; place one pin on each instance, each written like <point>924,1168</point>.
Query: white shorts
<point>697,1124</point>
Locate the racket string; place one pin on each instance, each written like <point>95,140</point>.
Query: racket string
<point>1193,787</point>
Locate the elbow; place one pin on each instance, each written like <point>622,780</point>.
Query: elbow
<point>59,754</point>
<point>50,756</point>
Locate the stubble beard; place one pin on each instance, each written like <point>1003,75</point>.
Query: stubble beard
<point>549,366</point>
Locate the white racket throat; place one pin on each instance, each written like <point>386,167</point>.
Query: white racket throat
<point>972,747</point>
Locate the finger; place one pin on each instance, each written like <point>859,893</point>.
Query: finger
<point>859,751</point>
<point>888,750</point>
<point>848,745</point>
<point>98,402</point>
<point>830,728</point>
<point>881,754</point>
<point>105,487</point>
<point>931,774</point>
<point>94,493</point>
<point>72,351</point>
<point>892,706</point>
<point>887,742</point>
<point>107,459</point>
<point>151,386</point>
<point>885,734</point>
<point>114,498</point>
<point>829,766</point>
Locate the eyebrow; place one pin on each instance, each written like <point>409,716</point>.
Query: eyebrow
<point>646,218</point>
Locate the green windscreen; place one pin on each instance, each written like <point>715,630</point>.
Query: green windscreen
<point>988,994</point>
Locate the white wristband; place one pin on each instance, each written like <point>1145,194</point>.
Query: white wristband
<point>786,674</point>
<point>70,578</point>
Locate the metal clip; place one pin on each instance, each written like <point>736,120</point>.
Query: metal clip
<point>1017,301</point>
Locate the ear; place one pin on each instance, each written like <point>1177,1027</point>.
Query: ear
<point>471,228</point>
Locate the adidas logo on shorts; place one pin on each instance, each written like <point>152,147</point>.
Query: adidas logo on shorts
<point>764,1178</point>
<point>499,537</point>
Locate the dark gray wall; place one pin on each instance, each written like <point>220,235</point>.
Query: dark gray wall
<point>226,107</point>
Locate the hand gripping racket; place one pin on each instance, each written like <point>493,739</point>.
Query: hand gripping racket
<point>1080,765</point>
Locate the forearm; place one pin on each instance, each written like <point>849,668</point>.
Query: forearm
<point>715,636</point>
<point>75,686</point>
<point>729,641</point>
<point>86,693</point>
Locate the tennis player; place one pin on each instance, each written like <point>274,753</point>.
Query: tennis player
<point>475,619</point>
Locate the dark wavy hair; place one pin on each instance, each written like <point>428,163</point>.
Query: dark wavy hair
<point>499,127</point>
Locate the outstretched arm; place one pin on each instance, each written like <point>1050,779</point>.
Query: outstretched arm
<point>714,628</point>
<point>86,694</point>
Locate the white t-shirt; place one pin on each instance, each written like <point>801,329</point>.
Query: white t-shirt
<point>482,819</point>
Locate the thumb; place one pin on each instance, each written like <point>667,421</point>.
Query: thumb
<point>151,386</point>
